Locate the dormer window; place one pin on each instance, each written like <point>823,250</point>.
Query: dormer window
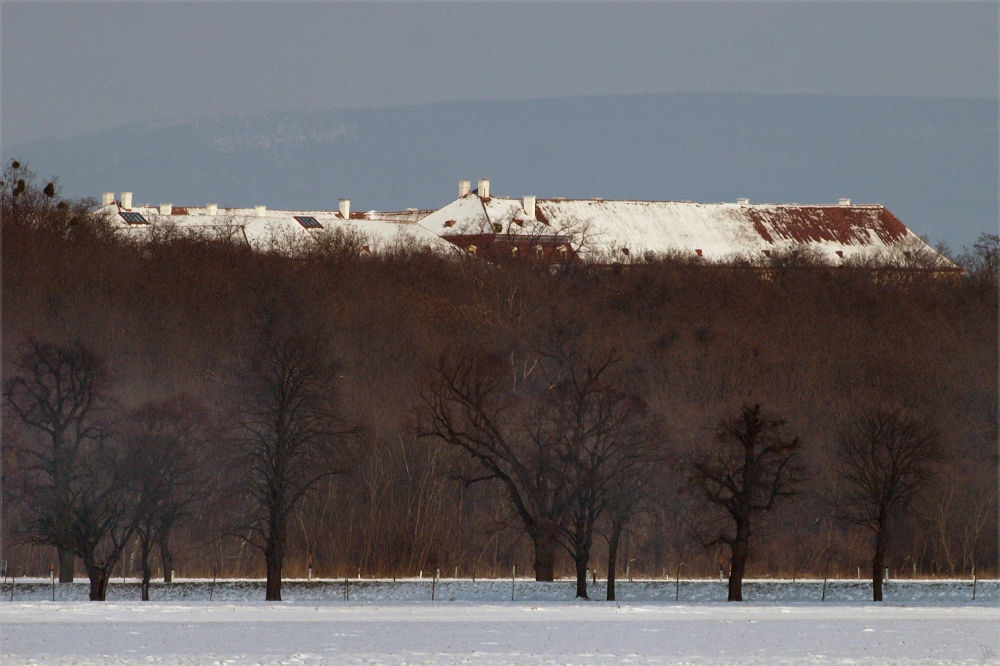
<point>449,223</point>
<point>134,219</point>
<point>308,222</point>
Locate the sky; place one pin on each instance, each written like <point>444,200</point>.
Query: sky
<point>71,69</point>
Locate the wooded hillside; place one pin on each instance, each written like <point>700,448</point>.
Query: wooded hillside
<point>601,380</point>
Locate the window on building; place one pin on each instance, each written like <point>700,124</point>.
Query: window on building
<point>133,219</point>
<point>538,251</point>
<point>514,252</point>
<point>308,222</point>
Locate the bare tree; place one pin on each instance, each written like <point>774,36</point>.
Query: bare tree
<point>82,500</point>
<point>289,435</point>
<point>884,458</point>
<point>753,468</point>
<point>100,511</point>
<point>608,435</point>
<point>58,390</point>
<point>167,442</point>
<point>628,495</point>
<point>472,404</point>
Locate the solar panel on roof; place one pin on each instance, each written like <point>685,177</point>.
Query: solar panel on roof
<point>133,218</point>
<point>308,222</point>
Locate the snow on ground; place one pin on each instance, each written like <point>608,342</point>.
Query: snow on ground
<point>936,630</point>
<point>949,592</point>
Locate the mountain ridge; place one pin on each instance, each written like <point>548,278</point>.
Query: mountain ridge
<point>932,161</point>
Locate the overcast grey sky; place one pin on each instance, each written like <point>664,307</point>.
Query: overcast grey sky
<point>75,68</point>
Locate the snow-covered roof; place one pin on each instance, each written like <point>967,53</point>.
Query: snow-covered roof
<point>593,228</point>
<point>716,231</point>
<point>273,229</point>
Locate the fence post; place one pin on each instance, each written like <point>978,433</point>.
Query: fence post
<point>677,583</point>
<point>513,574</point>
<point>52,580</point>
<point>434,582</point>
<point>826,575</point>
<point>975,580</point>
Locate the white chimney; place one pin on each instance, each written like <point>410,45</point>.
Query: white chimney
<point>259,210</point>
<point>107,198</point>
<point>743,202</point>
<point>484,188</point>
<point>843,202</point>
<point>126,200</point>
<point>166,209</point>
<point>212,209</point>
<point>345,208</point>
<point>464,187</point>
<point>529,207</point>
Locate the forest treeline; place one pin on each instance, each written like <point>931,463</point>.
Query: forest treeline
<point>187,406</point>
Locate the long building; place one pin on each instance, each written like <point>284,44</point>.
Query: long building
<point>599,230</point>
<point>555,230</point>
<point>264,229</point>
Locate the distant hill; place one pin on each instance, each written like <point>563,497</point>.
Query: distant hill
<point>932,162</point>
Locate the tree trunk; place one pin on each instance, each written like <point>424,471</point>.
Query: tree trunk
<point>67,561</point>
<point>616,532</point>
<point>581,576</point>
<point>273,562</point>
<point>274,555</point>
<point>738,566</point>
<point>146,572</point>
<point>545,556</point>
<point>166,557</point>
<point>877,565</point>
<point>99,577</point>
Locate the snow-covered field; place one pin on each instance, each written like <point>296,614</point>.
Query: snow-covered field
<point>932,624</point>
